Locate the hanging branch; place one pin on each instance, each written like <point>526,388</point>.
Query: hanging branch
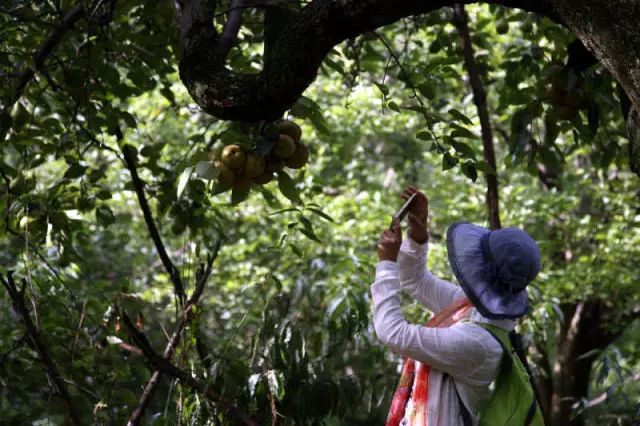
<point>174,273</point>
<point>17,298</point>
<point>460,21</point>
<point>151,386</point>
<point>160,363</point>
<point>45,50</point>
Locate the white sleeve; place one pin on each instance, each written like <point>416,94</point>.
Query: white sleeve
<point>432,292</point>
<point>458,350</point>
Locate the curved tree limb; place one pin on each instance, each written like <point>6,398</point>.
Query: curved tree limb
<point>295,56</point>
<point>17,299</point>
<point>460,20</point>
<point>607,28</point>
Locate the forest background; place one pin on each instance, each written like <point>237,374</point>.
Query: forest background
<point>136,289</point>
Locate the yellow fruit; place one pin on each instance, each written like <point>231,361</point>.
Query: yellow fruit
<point>254,165</point>
<point>225,177</point>
<point>242,183</point>
<point>290,129</point>
<point>299,158</point>
<point>264,178</point>
<point>275,166</point>
<point>285,146</point>
<point>233,156</point>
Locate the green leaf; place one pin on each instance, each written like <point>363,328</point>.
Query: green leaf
<point>296,249</point>
<point>307,229</point>
<point>75,171</point>
<point>290,209</point>
<point>383,88</point>
<point>394,106</point>
<point>288,187</point>
<point>182,182</point>
<point>104,216</point>
<point>424,135</point>
<point>335,65</point>
<point>448,161</point>
<point>238,195</point>
<point>321,214</point>
<point>103,194</point>
<point>462,132</point>
<point>5,124</point>
<point>463,149</point>
<point>416,108</point>
<point>130,151</point>
<point>427,90</point>
<point>320,123</point>
<point>205,170</point>
<point>460,116</point>
<point>129,119</point>
<point>469,170</point>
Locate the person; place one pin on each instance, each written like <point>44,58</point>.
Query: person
<point>463,359</point>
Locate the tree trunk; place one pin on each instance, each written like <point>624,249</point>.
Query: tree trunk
<point>587,330</point>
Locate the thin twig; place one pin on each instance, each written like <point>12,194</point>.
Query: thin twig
<point>407,79</point>
<point>17,298</point>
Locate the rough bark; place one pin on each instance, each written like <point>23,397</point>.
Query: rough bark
<point>295,56</point>
<point>607,28</point>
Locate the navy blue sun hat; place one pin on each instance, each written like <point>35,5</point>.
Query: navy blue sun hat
<point>494,267</point>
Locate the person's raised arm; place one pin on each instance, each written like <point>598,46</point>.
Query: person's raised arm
<point>457,350</point>
<point>432,292</point>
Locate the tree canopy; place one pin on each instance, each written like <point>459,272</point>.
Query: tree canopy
<point>139,287</point>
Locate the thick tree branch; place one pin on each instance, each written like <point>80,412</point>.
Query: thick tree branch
<point>160,363</point>
<point>17,298</point>
<point>151,386</point>
<point>460,20</point>
<point>295,57</point>
<point>174,273</point>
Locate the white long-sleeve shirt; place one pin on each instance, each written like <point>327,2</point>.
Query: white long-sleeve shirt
<point>465,351</point>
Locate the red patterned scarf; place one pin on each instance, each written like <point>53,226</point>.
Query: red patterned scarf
<point>414,379</point>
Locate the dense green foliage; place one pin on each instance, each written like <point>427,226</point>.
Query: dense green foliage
<point>284,323</point>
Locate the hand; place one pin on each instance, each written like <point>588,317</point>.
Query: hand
<point>389,242</point>
<point>418,214</point>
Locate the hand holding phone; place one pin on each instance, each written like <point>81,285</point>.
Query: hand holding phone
<point>402,212</point>
<point>418,214</point>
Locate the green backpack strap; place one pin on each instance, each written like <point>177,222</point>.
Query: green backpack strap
<point>513,387</point>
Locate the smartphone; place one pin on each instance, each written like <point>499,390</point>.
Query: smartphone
<point>400,214</point>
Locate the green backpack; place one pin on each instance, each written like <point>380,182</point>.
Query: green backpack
<point>513,402</point>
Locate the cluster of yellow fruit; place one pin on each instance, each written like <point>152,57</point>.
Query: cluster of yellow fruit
<point>239,168</point>
<point>566,98</point>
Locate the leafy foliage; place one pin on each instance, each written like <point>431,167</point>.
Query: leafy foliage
<point>283,327</point>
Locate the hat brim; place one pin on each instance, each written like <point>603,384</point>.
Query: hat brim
<point>466,259</point>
